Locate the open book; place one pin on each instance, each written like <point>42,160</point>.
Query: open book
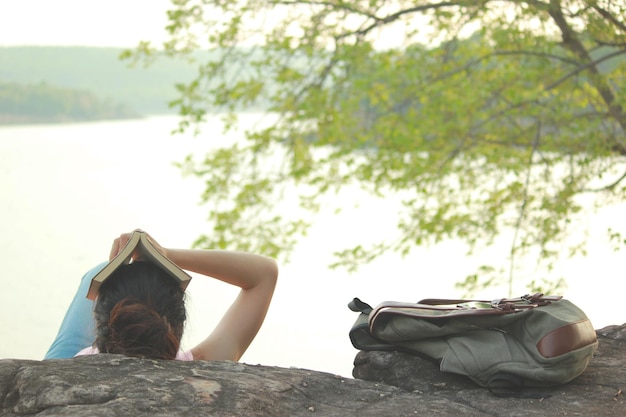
<point>141,245</point>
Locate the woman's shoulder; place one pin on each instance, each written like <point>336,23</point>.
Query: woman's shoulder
<point>184,355</point>
<point>88,351</point>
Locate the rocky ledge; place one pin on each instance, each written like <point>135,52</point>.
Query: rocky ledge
<point>385,384</point>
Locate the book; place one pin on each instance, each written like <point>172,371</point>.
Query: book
<point>138,244</point>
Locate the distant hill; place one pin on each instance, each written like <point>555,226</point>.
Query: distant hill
<point>98,71</point>
<point>42,103</point>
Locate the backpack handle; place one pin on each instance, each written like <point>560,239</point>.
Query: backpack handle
<point>359,306</point>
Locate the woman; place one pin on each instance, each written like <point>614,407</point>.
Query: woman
<point>140,311</point>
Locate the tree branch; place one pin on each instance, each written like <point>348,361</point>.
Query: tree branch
<point>608,16</point>
<point>334,5</point>
<point>475,61</point>
<point>379,21</point>
<point>574,44</point>
<point>581,68</point>
<point>607,187</point>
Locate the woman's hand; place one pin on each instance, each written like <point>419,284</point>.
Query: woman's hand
<point>118,244</point>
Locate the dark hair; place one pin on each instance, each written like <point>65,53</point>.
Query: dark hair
<point>140,311</point>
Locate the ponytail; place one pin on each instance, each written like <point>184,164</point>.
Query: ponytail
<point>138,330</point>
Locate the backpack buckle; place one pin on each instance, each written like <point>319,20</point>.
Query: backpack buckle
<point>503,304</point>
<point>532,298</point>
<point>496,303</point>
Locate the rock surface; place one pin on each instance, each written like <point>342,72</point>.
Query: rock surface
<point>390,384</point>
<point>597,392</point>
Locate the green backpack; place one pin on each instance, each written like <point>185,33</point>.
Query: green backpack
<point>531,341</point>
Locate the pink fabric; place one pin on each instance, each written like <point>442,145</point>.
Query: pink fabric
<point>180,356</point>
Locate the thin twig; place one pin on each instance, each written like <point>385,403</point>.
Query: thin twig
<point>522,211</point>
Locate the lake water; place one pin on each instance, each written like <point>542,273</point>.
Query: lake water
<point>68,190</point>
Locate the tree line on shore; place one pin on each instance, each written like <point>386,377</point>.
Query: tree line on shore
<point>54,83</point>
<point>34,103</point>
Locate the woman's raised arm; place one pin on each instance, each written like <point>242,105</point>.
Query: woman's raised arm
<point>256,275</point>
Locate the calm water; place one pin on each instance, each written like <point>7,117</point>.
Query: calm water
<point>68,190</point>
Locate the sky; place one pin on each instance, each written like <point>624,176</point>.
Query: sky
<point>118,23</point>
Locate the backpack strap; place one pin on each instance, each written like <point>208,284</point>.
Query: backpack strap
<point>506,304</point>
<point>511,386</point>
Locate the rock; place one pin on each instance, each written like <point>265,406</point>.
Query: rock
<point>113,385</point>
<point>597,392</point>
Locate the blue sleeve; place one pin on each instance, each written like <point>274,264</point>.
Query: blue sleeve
<point>77,330</point>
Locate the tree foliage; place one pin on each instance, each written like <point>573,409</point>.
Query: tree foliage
<point>485,116</point>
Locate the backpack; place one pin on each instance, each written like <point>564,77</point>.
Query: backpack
<point>504,344</point>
